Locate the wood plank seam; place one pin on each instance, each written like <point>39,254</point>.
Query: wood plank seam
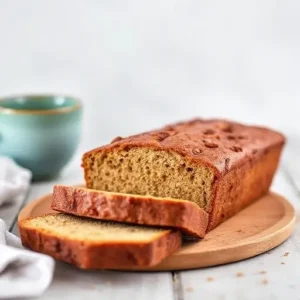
<point>177,286</point>
<point>290,180</point>
<point>294,188</point>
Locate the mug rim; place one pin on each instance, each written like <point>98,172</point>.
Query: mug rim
<point>60,110</point>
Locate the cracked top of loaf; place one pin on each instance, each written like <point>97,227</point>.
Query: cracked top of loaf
<point>217,143</point>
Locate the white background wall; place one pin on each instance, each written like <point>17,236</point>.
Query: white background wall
<point>141,64</point>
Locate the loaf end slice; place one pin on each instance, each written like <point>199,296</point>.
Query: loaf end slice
<point>95,244</point>
<point>144,210</point>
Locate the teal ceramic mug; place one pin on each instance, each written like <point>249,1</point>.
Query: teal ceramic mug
<point>40,132</point>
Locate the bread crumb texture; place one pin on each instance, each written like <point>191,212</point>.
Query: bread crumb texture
<point>144,171</point>
<point>78,228</point>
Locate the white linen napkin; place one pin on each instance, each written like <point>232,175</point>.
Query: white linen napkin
<point>22,273</point>
<point>14,180</point>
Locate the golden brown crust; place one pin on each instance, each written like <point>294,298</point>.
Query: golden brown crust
<point>242,186</point>
<point>146,210</point>
<point>106,255</point>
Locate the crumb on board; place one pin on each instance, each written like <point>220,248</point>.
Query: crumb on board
<point>189,289</point>
<point>210,279</point>
<point>265,281</point>
<point>240,274</point>
<point>89,286</point>
<point>283,263</point>
<point>263,272</point>
<point>286,254</point>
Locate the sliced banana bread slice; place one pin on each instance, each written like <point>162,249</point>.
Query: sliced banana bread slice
<point>145,210</point>
<point>94,244</point>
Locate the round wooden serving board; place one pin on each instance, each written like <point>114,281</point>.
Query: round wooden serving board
<point>258,228</point>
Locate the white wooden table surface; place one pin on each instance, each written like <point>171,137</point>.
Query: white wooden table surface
<point>273,275</point>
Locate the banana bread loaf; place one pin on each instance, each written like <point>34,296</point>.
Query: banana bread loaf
<point>94,244</point>
<point>220,165</point>
<point>136,209</point>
